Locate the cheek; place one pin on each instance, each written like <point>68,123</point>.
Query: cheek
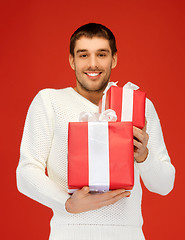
<point>108,66</point>
<point>107,63</point>
<point>80,66</point>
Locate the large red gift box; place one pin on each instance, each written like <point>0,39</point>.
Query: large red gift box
<point>100,155</point>
<point>128,104</point>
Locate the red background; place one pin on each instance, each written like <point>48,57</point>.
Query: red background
<point>34,55</point>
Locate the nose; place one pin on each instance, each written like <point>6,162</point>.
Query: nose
<point>93,62</point>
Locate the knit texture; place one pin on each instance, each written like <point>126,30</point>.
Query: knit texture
<point>44,145</point>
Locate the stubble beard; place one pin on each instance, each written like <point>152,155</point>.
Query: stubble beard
<point>99,89</point>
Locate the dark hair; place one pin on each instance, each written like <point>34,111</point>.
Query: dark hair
<point>90,30</point>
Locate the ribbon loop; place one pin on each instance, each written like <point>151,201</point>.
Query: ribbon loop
<point>106,116</point>
<point>131,86</point>
<point>110,84</point>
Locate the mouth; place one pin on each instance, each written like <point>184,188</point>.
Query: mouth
<point>93,75</point>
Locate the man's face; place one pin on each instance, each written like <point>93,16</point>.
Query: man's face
<point>92,63</point>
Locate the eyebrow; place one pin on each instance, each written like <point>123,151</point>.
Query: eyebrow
<point>99,50</point>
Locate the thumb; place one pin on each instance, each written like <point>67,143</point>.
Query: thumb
<point>85,189</point>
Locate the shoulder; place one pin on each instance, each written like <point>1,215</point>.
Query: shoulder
<point>48,91</point>
<point>45,98</point>
<point>49,94</point>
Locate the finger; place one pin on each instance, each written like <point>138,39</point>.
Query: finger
<point>137,144</point>
<point>136,129</point>
<point>138,134</point>
<point>146,138</point>
<point>123,194</point>
<point>85,190</point>
<point>110,194</point>
<point>136,154</point>
<point>143,138</point>
<point>116,198</point>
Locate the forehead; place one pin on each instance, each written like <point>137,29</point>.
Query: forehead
<point>91,44</point>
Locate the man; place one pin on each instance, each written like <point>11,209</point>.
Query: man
<point>112,215</point>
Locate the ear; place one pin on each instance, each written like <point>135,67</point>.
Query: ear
<point>114,60</point>
<point>71,61</point>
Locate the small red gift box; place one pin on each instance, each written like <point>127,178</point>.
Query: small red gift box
<point>100,155</point>
<point>128,104</point>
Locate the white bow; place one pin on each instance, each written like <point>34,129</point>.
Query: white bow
<point>106,116</point>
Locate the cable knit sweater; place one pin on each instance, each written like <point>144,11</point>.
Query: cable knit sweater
<point>44,145</point>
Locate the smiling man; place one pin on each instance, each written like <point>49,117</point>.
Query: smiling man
<point>102,216</point>
<point>92,61</point>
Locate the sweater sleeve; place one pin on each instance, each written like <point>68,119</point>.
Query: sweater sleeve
<point>34,151</point>
<point>157,172</point>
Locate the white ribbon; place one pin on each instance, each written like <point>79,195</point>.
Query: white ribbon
<point>127,105</point>
<point>98,150</point>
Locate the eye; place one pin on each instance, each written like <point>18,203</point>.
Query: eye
<point>83,55</point>
<point>102,55</point>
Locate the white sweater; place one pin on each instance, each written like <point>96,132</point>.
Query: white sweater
<point>44,145</point>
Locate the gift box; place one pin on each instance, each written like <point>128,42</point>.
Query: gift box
<point>100,155</point>
<point>128,102</point>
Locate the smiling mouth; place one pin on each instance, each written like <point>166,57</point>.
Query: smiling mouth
<point>93,74</point>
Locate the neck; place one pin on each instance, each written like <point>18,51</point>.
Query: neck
<point>93,97</point>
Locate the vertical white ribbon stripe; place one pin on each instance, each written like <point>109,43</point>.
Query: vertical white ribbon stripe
<point>127,105</point>
<point>98,146</point>
<point>110,84</point>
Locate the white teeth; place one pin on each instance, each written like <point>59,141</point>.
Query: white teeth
<point>93,74</point>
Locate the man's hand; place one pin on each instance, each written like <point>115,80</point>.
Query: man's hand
<point>82,200</point>
<point>140,143</point>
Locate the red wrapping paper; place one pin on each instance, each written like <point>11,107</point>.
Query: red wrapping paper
<point>121,157</point>
<point>114,101</point>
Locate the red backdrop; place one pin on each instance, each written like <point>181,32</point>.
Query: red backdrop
<point>34,55</point>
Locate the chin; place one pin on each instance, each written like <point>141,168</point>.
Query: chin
<point>98,85</point>
<point>95,87</point>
